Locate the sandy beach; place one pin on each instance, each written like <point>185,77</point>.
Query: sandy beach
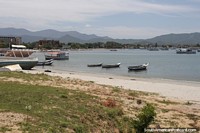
<point>182,90</point>
<point>177,105</point>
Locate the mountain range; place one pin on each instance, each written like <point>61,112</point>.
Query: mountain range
<point>74,36</point>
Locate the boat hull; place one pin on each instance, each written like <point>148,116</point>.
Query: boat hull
<point>56,58</point>
<point>138,68</point>
<point>94,65</point>
<point>190,52</point>
<point>111,66</point>
<point>57,55</point>
<point>25,64</point>
<point>45,63</point>
<point>185,51</point>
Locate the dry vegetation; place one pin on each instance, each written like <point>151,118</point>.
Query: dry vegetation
<point>171,113</point>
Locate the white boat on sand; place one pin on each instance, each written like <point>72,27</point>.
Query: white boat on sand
<point>25,63</point>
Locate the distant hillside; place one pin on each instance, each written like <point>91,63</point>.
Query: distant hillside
<point>81,36</point>
<point>74,36</point>
<point>13,32</point>
<point>186,38</point>
<point>68,38</point>
<point>29,36</point>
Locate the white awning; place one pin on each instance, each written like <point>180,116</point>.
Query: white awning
<point>19,46</point>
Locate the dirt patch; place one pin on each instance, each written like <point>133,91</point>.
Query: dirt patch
<point>11,120</point>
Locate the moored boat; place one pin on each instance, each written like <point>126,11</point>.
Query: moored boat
<point>164,48</point>
<point>111,65</point>
<point>153,49</point>
<point>185,51</point>
<point>45,63</point>
<point>25,63</point>
<point>113,49</point>
<point>57,55</point>
<point>138,67</point>
<point>95,65</point>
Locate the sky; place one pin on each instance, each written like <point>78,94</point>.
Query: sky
<point>122,19</point>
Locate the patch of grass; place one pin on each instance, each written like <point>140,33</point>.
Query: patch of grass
<point>133,94</point>
<point>113,112</point>
<point>91,82</point>
<point>4,129</point>
<point>15,97</point>
<point>25,76</point>
<point>144,118</point>
<point>57,109</point>
<point>116,89</point>
<point>139,93</point>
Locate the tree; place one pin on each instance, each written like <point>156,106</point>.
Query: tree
<point>144,118</point>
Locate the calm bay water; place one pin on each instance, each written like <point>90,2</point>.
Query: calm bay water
<point>162,64</point>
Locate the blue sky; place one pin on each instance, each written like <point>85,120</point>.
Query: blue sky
<point>135,19</point>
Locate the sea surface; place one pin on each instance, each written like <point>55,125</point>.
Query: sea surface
<point>162,64</point>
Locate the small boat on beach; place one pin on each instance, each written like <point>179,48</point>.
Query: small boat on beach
<point>111,65</point>
<point>18,56</point>
<point>57,55</point>
<point>45,63</point>
<point>95,65</point>
<point>138,67</point>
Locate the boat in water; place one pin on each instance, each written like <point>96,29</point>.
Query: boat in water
<point>95,65</point>
<point>45,63</point>
<point>138,67</point>
<point>185,51</point>
<point>153,49</point>
<point>111,65</point>
<point>113,49</point>
<point>24,63</point>
<point>57,55</point>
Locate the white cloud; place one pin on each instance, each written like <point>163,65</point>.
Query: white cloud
<point>81,10</point>
<point>87,25</point>
<point>43,14</point>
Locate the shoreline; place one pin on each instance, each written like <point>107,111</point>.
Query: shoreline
<point>180,81</point>
<point>182,90</point>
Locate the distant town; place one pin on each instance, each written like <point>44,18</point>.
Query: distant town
<point>45,44</point>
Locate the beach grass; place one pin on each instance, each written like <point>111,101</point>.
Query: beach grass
<point>42,103</point>
<point>52,109</point>
<point>25,76</point>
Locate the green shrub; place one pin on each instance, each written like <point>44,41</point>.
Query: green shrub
<point>144,118</point>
